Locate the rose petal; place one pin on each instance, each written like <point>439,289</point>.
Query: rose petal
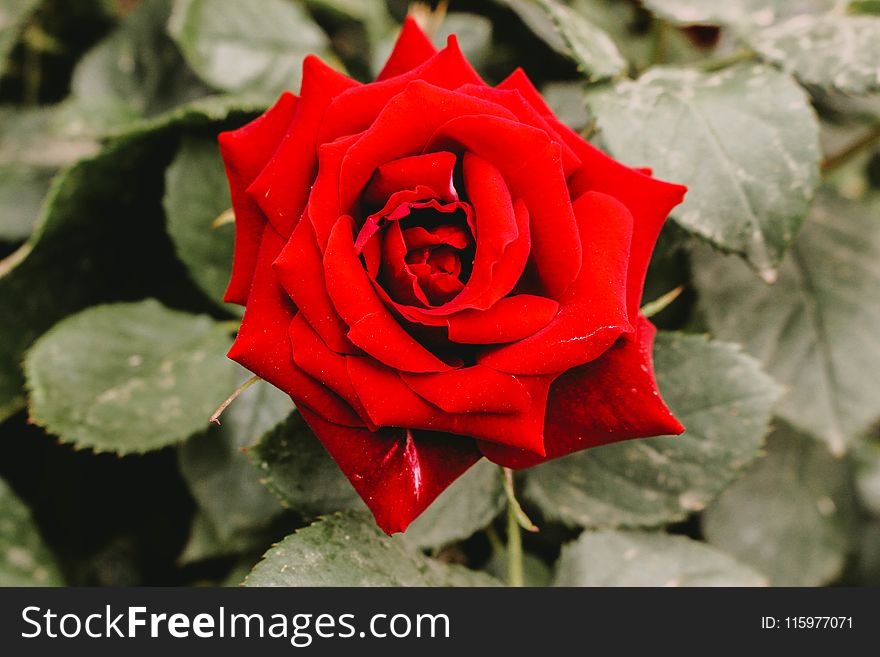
<point>245,152</point>
<point>475,389</point>
<point>648,199</point>
<point>397,472</point>
<point>390,402</point>
<point>356,110</point>
<point>422,108</point>
<point>411,49</point>
<point>512,318</point>
<point>611,399</point>
<point>592,312</point>
<point>433,170</point>
<point>372,327</point>
<point>263,347</point>
<point>531,163</point>
<point>300,270</point>
<point>317,360</point>
<point>281,190</point>
<point>526,113</point>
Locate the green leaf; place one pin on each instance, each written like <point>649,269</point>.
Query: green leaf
<point>723,399</point>
<point>218,473</point>
<point>467,506</point>
<point>790,517</point>
<point>347,549</point>
<point>13,16</point>
<point>129,377</point>
<point>100,235</point>
<point>635,558</point>
<point>568,102</point>
<point>205,542</point>
<point>840,52</point>
<point>196,193</point>
<point>296,467</point>
<point>25,559</point>
<point>474,33</point>
<point>744,140</point>
<point>815,329</point>
<point>572,34</point>
<point>867,477</point>
<point>246,46</point>
<point>753,13</point>
<point>136,71</point>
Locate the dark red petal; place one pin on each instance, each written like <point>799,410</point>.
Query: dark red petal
<point>245,152</point>
<point>300,269</point>
<point>317,360</point>
<point>648,199</point>
<point>282,189</point>
<point>397,277</point>
<point>512,318</point>
<point>355,110</point>
<point>592,312</point>
<point>397,472</point>
<point>612,399</point>
<point>263,347</point>
<point>526,113</point>
<point>422,108</point>
<point>531,163</point>
<point>373,328</point>
<point>412,49</point>
<point>390,402</point>
<point>433,170</point>
<point>475,389</point>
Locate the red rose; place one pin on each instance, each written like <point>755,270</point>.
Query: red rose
<point>437,270</point>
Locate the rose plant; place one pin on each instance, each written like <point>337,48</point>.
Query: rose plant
<point>435,237</point>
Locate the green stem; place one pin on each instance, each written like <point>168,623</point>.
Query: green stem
<point>514,549</point>
<point>240,389</point>
<point>848,152</point>
<point>716,64</point>
<point>660,41</point>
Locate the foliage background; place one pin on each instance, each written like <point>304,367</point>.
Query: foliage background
<point>114,254</point>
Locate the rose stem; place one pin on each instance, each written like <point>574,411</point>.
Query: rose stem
<point>843,156</point>
<point>516,519</point>
<point>240,389</point>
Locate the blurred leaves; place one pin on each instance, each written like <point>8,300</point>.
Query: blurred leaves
<point>791,516</point>
<point>196,194</point>
<point>634,558</point>
<point>815,329</point>
<point>25,560</point>
<point>718,393</point>
<point>13,15</point>
<point>246,46</point>
<point>744,140</point>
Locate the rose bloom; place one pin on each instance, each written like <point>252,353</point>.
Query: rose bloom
<point>436,270</point>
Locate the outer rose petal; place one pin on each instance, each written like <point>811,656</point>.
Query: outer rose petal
<point>412,49</point>
<point>263,347</point>
<point>397,472</point>
<point>245,152</point>
<point>648,199</point>
<point>611,399</point>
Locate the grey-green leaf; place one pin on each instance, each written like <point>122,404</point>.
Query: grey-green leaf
<point>840,52</point>
<point>722,398</point>
<point>347,549</point>
<point>219,475</point>
<point>745,140</point>
<point>129,377</point>
<point>745,13</point>
<point>24,559</point>
<point>572,34</point>
<point>196,193</point>
<point>637,558</point>
<point>467,506</point>
<point>815,330</point>
<point>790,517</point>
<point>246,46</point>
<point>297,468</point>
